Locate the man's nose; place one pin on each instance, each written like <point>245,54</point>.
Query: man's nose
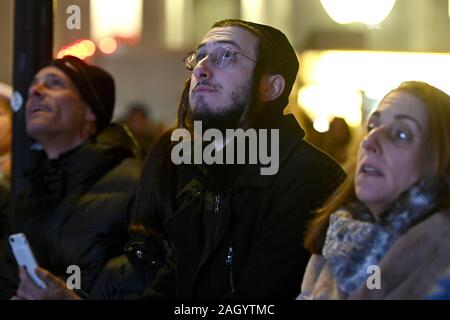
<point>203,70</point>
<point>36,90</point>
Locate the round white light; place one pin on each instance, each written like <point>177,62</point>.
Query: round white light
<point>369,12</point>
<point>321,125</point>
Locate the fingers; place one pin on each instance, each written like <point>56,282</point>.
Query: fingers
<point>50,280</point>
<point>27,288</point>
<point>23,275</point>
<point>56,288</point>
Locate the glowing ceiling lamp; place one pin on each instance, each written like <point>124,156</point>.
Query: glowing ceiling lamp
<point>369,12</point>
<point>116,18</point>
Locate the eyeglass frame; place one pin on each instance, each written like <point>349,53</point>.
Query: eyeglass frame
<point>233,52</point>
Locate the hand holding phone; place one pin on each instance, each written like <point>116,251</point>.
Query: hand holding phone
<point>24,256</point>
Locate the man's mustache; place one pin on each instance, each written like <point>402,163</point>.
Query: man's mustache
<point>209,84</point>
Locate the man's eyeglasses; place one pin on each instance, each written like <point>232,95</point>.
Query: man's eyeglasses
<point>221,57</point>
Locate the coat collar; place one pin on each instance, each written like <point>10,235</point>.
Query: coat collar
<point>290,135</point>
<point>78,168</point>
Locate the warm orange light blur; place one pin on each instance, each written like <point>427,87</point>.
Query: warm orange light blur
<point>79,51</point>
<point>61,53</point>
<point>80,48</point>
<point>108,45</point>
<point>89,45</point>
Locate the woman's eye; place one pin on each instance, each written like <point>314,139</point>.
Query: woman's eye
<point>402,135</point>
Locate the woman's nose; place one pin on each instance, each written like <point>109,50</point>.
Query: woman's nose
<point>371,141</point>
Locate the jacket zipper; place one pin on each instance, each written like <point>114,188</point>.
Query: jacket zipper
<point>216,204</point>
<point>229,263</point>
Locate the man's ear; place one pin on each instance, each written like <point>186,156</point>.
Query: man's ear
<point>90,116</point>
<point>271,87</point>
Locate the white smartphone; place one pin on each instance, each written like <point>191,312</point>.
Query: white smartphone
<point>24,256</point>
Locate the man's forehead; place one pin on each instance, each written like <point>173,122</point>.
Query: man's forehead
<point>51,71</point>
<point>234,35</point>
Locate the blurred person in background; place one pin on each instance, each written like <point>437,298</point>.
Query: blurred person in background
<point>336,142</point>
<point>75,211</point>
<point>140,124</point>
<point>392,213</point>
<point>337,139</point>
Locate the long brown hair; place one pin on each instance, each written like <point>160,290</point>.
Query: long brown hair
<point>154,196</point>
<point>436,156</point>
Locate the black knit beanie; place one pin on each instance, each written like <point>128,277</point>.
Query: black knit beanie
<point>276,52</point>
<point>96,87</point>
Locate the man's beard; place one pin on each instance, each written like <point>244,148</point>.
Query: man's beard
<point>223,117</point>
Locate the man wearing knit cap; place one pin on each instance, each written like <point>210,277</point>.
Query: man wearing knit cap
<point>232,232</point>
<point>74,212</point>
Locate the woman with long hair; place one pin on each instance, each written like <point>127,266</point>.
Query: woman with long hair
<point>385,233</point>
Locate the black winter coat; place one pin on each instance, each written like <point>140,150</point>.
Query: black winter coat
<point>4,207</point>
<point>127,276</point>
<point>76,210</point>
<point>244,238</point>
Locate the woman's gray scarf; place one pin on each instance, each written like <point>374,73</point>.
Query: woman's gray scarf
<point>355,240</point>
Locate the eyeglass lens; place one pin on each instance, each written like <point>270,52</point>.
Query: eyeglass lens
<point>221,57</point>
